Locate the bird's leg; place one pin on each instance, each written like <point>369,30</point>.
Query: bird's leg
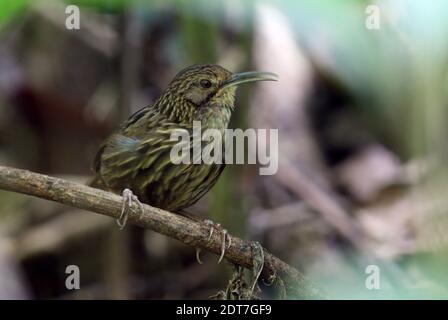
<point>128,197</point>
<point>226,239</point>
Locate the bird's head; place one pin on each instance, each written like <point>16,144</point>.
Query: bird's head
<point>207,86</point>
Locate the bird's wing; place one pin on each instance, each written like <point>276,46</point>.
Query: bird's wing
<point>143,143</point>
<point>123,132</point>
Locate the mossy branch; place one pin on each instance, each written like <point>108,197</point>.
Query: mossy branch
<point>169,224</point>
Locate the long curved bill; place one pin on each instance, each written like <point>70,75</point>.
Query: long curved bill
<point>250,76</point>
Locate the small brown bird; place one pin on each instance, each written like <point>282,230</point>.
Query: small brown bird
<point>135,160</point>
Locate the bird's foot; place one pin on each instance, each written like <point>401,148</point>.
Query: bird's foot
<point>226,241</point>
<point>128,198</point>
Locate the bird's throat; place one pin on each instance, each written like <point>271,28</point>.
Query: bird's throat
<point>214,117</point>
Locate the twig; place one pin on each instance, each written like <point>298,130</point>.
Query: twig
<point>172,225</point>
<point>300,165</point>
<point>323,201</point>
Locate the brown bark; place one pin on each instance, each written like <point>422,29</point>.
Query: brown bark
<point>172,225</point>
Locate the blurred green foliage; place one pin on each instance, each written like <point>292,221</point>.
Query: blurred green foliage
<point>10,9</point>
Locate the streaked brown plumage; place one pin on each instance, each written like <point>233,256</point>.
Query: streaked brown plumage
<point>137,155</point>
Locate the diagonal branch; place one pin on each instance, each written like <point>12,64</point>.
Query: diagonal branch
<point>172,225</point>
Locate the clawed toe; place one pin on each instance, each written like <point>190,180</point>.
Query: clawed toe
<point>128,198</point>
<point>198,255</point>
<point>226,239</point>
<point>223,244</point>
<point>212,227</point>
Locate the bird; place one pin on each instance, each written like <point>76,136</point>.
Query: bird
<point>135,160</point>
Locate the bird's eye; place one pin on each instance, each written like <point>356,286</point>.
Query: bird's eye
<point>205,83</point>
